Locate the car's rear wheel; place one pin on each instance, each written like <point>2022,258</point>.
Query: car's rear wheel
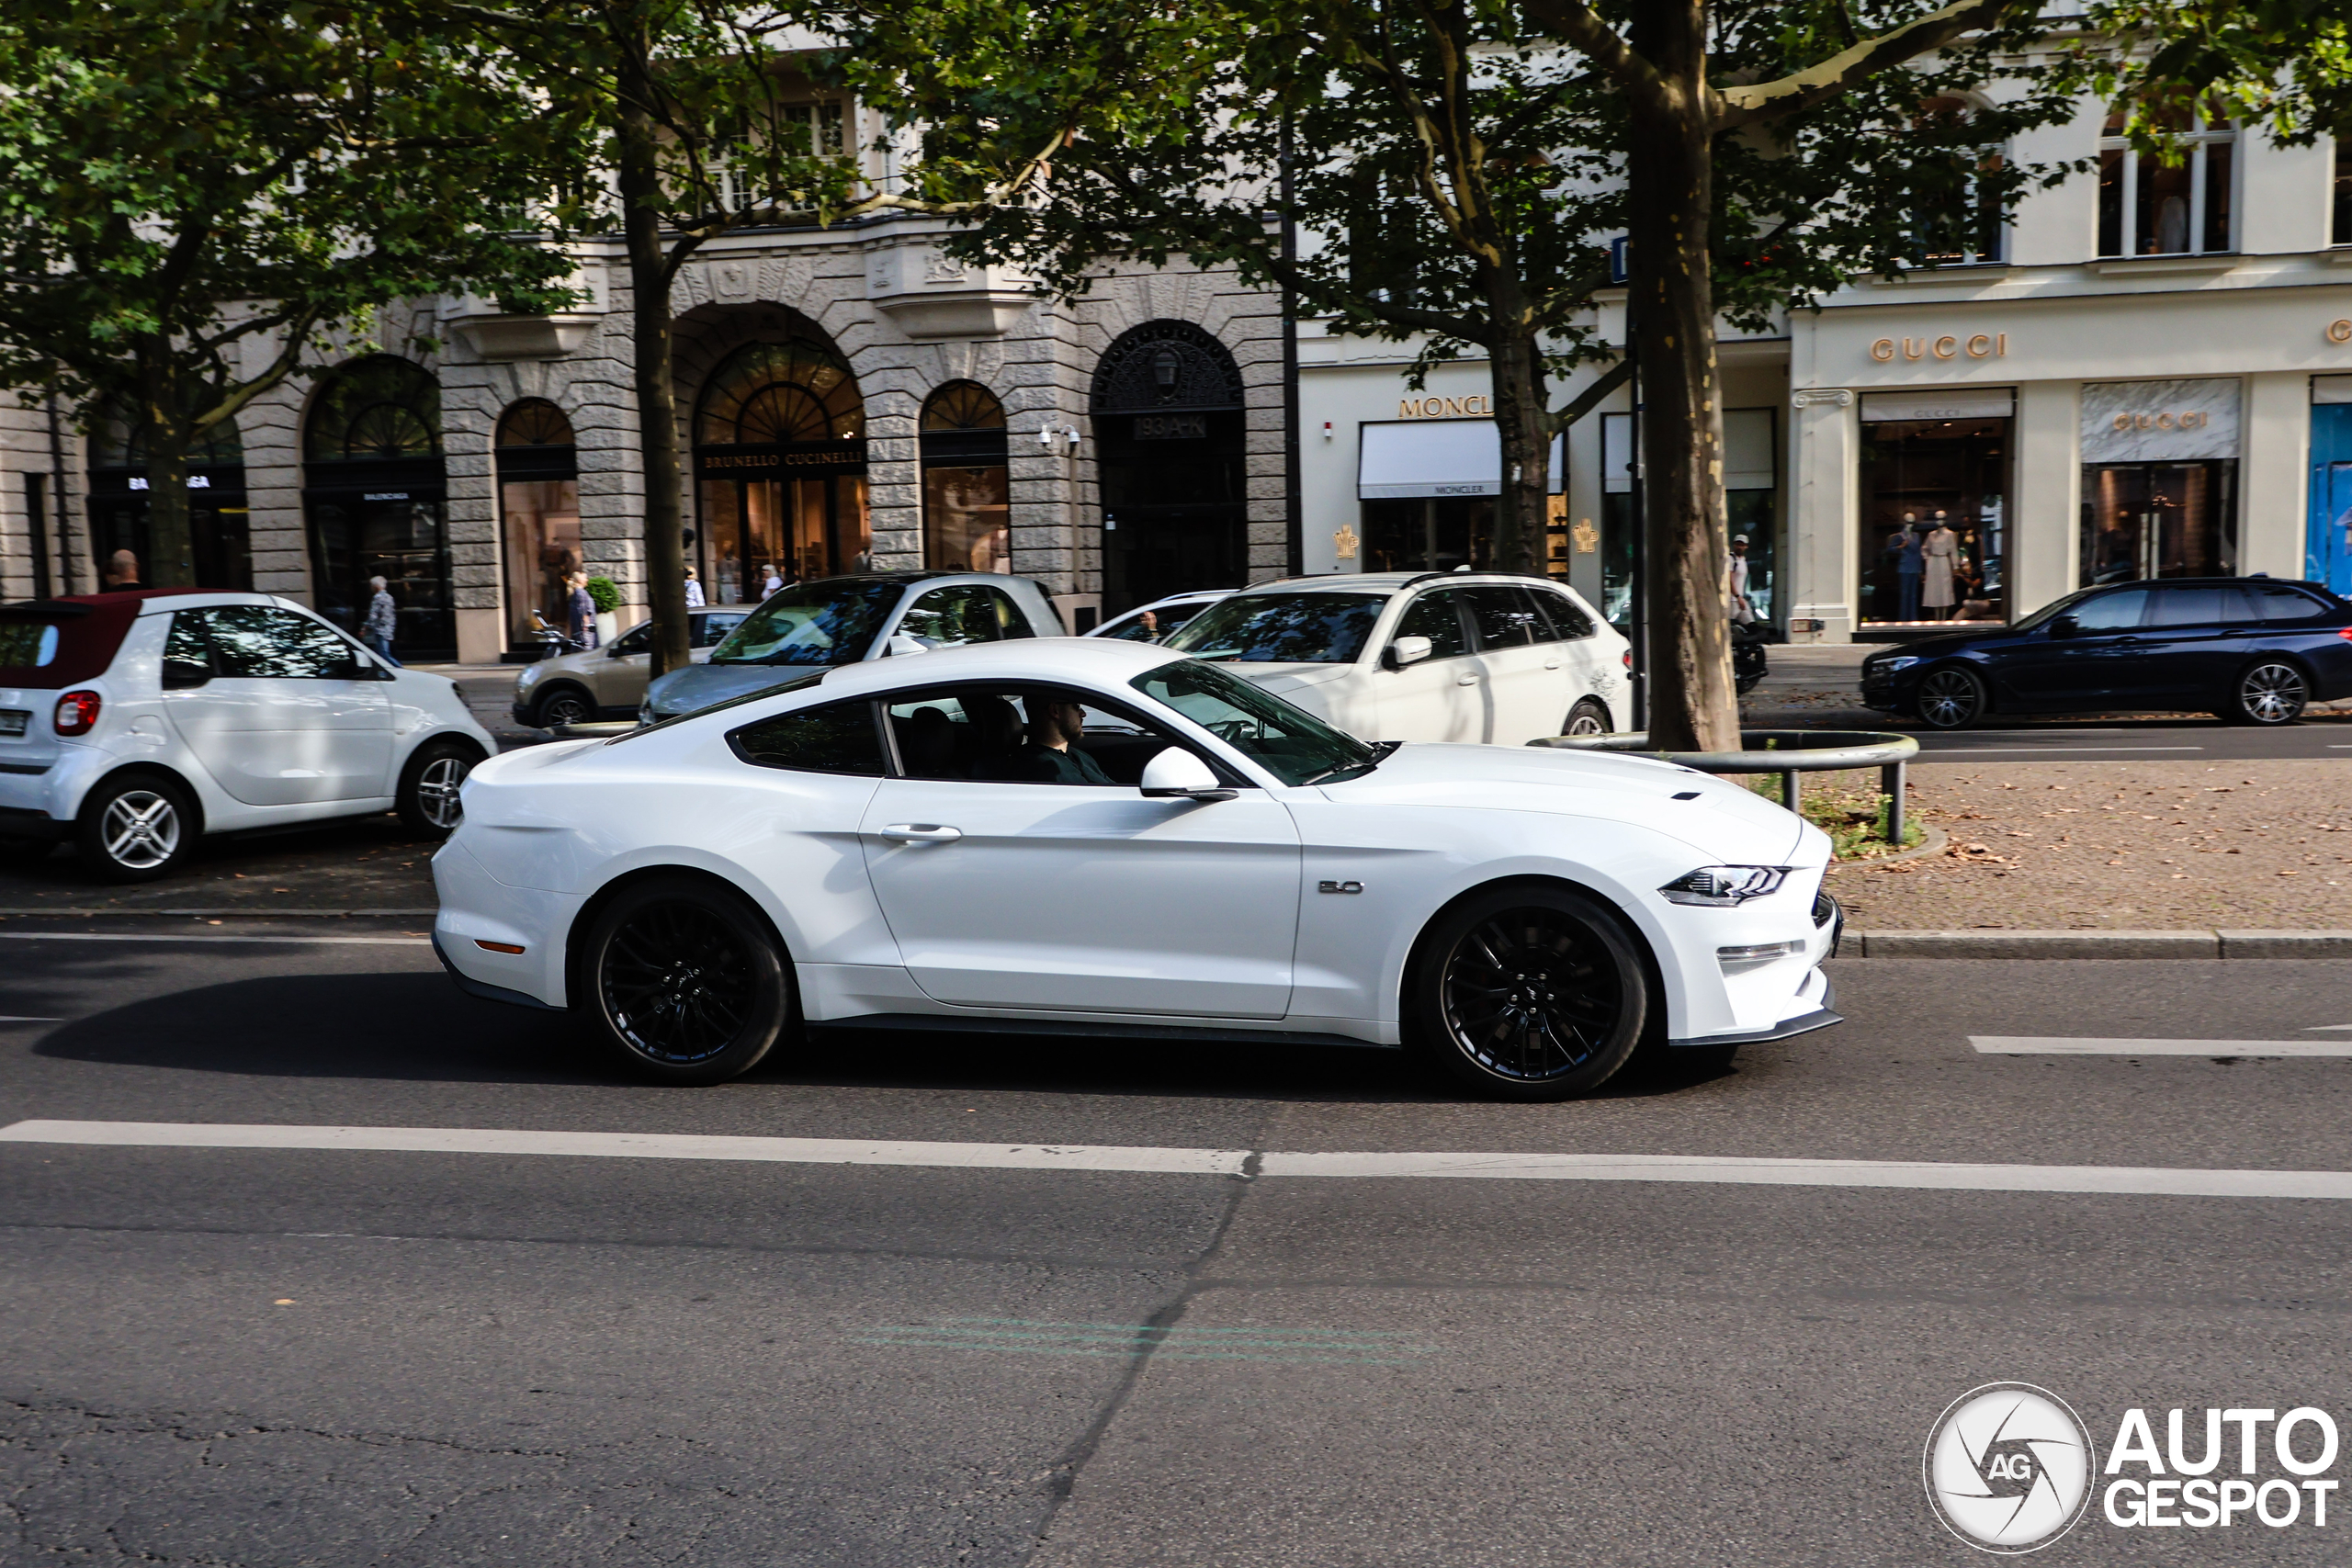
<point>1528,993</point>
<point>135,828</point>
<point>1950,699</point>
<point>565,704</point>
<point>1589,717</point>
<point>427,797</point>
<point>2273,692</point>
<point>682,982</point>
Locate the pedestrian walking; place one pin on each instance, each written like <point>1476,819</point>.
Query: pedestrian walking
<point>581,612</point>
<point>693,589</point>
<point>375,631</point>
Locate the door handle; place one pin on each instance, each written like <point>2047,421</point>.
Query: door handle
<point>1466,680</point>
<point>1550,664</point>
<point>921,833</point>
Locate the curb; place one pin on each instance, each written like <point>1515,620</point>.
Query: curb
<point>2007,944</point>
<point>280,913</point>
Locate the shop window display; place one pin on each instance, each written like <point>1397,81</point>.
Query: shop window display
<point>538,506</point>
<point>774,409</point>
<point>966,493</point>
<point>1934,519</point>
<point>1429,533</point>
<point>2159,520</point>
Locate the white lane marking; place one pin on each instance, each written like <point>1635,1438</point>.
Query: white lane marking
<point>114,936</point>
<point>2316,1027</point>
<point>2063,749</point>
<point>11,1018</point>
<point>2060,1046</point>
<point>628,1145</point>
<point>1917,1175</point>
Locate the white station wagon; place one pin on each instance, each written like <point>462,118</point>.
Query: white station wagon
<point>1424,655</point>
<point>132,724</point>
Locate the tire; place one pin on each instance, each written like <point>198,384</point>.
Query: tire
<point>136,828</point>
<point>1589,717</point>
<point>564,704</point>
<point>427,796</point>
<point>682,982</point>
<point>2270,691</point>
<point>1951,698</point>
<point>1528,993</point>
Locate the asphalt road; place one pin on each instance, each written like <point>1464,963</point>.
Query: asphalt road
<point>2126,739</point>
<point>262,1357</point>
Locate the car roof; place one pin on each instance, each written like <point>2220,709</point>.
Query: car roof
<point>1389,582</point>
<point>2219,582</point>
<point>1104,662</point>
<point>154,601</point>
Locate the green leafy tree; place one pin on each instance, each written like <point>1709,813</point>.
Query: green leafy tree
<point>1456,173</point>
<point>179,184</point>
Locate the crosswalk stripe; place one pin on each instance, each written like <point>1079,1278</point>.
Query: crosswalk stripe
<point>1915,1174</point>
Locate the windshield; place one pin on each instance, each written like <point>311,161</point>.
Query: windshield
<point>1293,745</point>
<point>1281,628</point>
<point>829,622</point>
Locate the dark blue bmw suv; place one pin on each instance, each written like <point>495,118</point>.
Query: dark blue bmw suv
<point>2251,649</point>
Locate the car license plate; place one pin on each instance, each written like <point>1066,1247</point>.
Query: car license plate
<point>13,721</point>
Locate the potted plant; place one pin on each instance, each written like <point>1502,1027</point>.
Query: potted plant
<point>607,596</point>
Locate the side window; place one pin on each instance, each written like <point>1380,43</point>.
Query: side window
<point>1432,615</point>
<point>638,641</point>
<point>952,616</point>
<point>1568,621</point>
<point>710,631</point>
<point>254,641</point>
<point>2196,607</point>
<point>2273,601</point>
<point>1503,617</point>
<point>839,738</point>
<point>2112,612</point>
<point>1008,735</point>
<point>1010,622</point>
<point>187,654</point>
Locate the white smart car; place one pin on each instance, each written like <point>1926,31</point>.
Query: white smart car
<point>1425,656</point>
<point>131,724</point>
<point>1076,835</point>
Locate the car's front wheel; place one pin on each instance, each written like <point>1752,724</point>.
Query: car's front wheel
<point>682,982</point>
<point>1950,699</point>
<point>135,828</point>
<point>1528,993</point>
<point>565,704</point>
<point>1589,717</point>
<point>427,796</point>
<point>2273,692</point>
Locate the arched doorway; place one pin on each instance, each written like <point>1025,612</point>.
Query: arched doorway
<point>216,503</point>
<point>539,514</point>
<point>780,457</point>
<point>1169,443</point>
<point>966,509</point>
<point>377,497</point>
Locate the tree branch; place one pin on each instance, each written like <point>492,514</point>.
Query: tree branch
<point>1818,84</point>
<point>1574,22</point>
<point>1591,398</point>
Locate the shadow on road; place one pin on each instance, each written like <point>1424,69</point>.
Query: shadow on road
<point>416,1026</point>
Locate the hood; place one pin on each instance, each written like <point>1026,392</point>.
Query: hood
<point>1934,646</point>
<point>699,685</point>
<point>1727,822</point>
<point>1284,680</point>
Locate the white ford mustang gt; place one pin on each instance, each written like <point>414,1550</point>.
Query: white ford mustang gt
<point>1090,836</point>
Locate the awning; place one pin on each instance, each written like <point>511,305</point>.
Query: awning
<point>1409,460</point>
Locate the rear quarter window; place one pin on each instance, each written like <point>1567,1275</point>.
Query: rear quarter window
<point>839,738</point>
<point>60,643</point>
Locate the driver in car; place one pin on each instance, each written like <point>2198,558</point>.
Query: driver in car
<point>1049,757</point>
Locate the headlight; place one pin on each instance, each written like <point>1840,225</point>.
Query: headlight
<point>1889,666</point>
<point>1724,887</point>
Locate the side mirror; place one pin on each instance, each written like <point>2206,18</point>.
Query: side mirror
<point>900,642</point>
<point>2065,626</point>
<point>182,674</point>
<point>1407,651</point>
<point>1177,774</point>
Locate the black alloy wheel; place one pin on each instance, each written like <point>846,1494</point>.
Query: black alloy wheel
<point>1589,717</point>
<point>565,704</point>
<point>2273,692</point>
<point>1950,699</point>
<point>135,828</point>
<point>684,982</point>
<point>1530,993</point>
<point>428,799</point>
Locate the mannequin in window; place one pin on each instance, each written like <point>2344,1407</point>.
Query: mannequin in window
<point>1903,546</point>
<point>1936,552</point>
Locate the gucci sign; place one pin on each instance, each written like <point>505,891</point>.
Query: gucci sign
<point>2339,331</point>
<point>2193,420</point>
<point>1981,345</point>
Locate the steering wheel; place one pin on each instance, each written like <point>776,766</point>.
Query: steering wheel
<point>1233,729</point>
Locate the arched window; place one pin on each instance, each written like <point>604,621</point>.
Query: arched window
<point>780,452</point>
<point>1959,216</point>
<point>380,407</point>
<point>2149,207</point>
<point>119,440</point>
<point>967,491</point>
<point>539,514</point>
<point>216,486</point>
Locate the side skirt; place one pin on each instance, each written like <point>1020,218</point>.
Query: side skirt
<point>918,1022</point>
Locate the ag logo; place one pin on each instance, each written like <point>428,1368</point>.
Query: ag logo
<point>2009,1467</point>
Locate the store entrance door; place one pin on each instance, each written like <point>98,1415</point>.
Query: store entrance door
<point>2327,555</point>
<point>2145,519</point>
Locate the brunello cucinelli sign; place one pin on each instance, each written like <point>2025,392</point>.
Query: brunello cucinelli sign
<point>713,462</point>
<point>1479,407</point>
<point>1951,346</point>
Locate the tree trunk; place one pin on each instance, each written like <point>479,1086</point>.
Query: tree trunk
<point>171,532</point>
<point>657,398</point>
<point>1693,703</point>
<point>1523,512</point>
